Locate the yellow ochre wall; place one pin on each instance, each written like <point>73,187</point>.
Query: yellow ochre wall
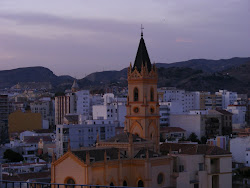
<point>22,121</point>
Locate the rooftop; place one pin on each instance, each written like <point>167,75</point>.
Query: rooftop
<point>124,137</point>
<point>171,129</point>
<point>192,149</point>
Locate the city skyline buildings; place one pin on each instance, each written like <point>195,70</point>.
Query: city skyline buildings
<point>80,37</point>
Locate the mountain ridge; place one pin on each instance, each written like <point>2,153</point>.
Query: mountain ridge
<point>189,75</point>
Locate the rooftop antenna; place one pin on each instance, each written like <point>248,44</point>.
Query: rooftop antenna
<point>142,30</point>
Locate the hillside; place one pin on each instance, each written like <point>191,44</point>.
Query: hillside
<point>232,74</point>
<point>8,78</point>
<point>207,65</point>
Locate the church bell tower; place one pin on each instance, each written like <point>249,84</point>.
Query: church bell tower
<point>143,116</point>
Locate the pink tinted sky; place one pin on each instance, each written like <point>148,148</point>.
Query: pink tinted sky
<point>78,37</point>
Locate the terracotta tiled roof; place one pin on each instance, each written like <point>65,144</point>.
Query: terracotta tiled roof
<point>144,152</point>
<point>97,153</point>
<point>192,149</point>
<point>43,131</point>
<point>224,112</point>
<point>27,176</point>
<point>20,164</point>
<point>171,129</point>
<point>36,139</point>
<point>124,137</point>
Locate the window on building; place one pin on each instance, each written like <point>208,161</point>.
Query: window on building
<point>201,166</point>
<point>140,183</point>
<point>136,94</point>
<point>181,168</point>
<point>124,183</point>
<point>111,184</point>
<point>151,94</point>
<point>70,181</point>
<point>160,178</point>
<point>196,185</point>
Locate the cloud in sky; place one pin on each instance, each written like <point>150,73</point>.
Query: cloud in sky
<point>184,40</point>
<point>79,37</point>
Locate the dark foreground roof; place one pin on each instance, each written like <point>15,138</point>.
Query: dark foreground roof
<point>27,176</point>
<point>192,149</point>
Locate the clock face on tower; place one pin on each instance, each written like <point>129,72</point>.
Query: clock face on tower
<point>136,110</point>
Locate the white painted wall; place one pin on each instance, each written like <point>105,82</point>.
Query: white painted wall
<point>238,147</point>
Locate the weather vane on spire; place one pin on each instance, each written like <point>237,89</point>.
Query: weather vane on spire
<point>142,30</point>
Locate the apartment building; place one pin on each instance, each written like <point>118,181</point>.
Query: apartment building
<point>228,97</point>
<point>4,112</point>
<point>113,108</point>
<point>209,101</point>
<point>198,165</point>
<point>82,135</point>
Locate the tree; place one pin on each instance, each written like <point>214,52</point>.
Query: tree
<point>203,140</point>
<point>12,156</point>
<point>193,138</point>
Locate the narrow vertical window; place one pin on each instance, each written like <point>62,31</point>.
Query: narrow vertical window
<point>151,94</point>
<point>136,95</point>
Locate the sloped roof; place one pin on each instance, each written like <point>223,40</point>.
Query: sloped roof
<point>171,129</point>
<point>97,153</point>
<point>142,57</point>
<point>224,112</point>
<point>144,152</point>
<point>124,137</point>
<point>192,149</point>
<point>27,176</point>
<point>36,139</point>
<point>43,131</point>
<point>71,117</point>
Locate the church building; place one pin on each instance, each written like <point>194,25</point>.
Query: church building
<point>131,158</point>
<point>135,157</point>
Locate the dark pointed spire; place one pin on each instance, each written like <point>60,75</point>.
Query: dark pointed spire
<point>142,55</point>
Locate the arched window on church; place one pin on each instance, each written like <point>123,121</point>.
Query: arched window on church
<point>136,94</point>
<point>140,183</point>
<point>151,94</point>
<point>70,181</point>
<point>124,183</point>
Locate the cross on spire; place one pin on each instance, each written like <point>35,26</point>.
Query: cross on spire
<point>142,30</point>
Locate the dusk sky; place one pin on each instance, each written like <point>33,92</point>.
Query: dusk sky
<point>78,37</point>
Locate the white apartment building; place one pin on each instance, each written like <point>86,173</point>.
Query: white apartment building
<point>82,102</point>
<point>112,109</point>
<point>167,108</point>
<point>189,122</point>
<point>228,97</point>
<point>239,115</point>
<point>187,100</point>
<point>46,109</point>
<point>82,135</point>
<point>239,147</point>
